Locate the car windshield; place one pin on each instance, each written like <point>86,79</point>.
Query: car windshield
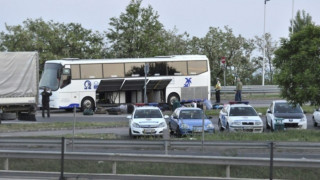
<point>242,111</point>
<point>191,114</point>
<point>147,113</point>
<point>286,108</point>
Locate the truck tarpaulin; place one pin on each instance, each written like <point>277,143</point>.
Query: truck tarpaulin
<point>18,74</point>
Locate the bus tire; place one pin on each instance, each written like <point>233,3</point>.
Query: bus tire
<point>171,97</point>
<point>87,103</point>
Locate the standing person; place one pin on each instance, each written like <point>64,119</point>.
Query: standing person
<point>238,90</point>
<point>45,101</point>
<point>218,88</point>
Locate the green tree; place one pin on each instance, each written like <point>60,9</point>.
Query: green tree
<point>271,46</point>
<point>223,43</point>
<point>53,40</point>
<point>298,63</point>
<point>136,33</point>
<point>301,20</point>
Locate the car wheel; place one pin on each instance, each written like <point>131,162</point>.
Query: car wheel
<point>227,127</point>
<point>315,124</point>
<point>267,125</point>
<point>272,128</point>
<point>220,125</point>
<point>130,133</point>
<point>178,132</point>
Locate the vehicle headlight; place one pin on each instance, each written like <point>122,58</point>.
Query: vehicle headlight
<point>161,125</point>
<point>210,126</point>
<point>304,119</point>
<point>136,125</point>
<point>236,123</point>
<point>184,126</point>
<point>258,123</point>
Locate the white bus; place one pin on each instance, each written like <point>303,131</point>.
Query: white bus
<point>82,83</point>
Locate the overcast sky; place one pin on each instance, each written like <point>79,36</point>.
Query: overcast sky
<point>245,17</point>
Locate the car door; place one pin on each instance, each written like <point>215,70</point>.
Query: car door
<point>223,116</point>
<point>174,121</point>
<point>269,114</point>
<point>316,115</point>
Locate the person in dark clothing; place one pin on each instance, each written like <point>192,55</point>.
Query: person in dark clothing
<point>45,101</point>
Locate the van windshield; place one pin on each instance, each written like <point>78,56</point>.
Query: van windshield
<point>49,76</point>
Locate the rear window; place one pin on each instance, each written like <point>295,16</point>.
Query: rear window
<point>191,114</point>
<point>286,108</point>
<point>242,111</point>
<point>147,113</point>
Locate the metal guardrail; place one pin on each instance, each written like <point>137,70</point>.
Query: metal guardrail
<point>16,142</point>
<point>250,89</point>
<point>160,158</point>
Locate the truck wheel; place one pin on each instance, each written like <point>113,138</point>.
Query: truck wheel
<point>87,103</point>
<point>9,116</point>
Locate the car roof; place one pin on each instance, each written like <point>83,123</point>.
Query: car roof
<point>147,107</point>
<point>240,105</point>
<point>188,108</point>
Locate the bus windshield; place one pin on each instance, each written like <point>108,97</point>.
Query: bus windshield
<point>49,76</point>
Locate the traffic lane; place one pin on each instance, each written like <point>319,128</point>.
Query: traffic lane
<point>63,116</point>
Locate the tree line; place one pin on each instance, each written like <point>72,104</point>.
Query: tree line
<point>138,33</point>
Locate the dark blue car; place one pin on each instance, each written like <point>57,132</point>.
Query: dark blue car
<point>186,121</point>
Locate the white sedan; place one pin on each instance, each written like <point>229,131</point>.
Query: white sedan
<point>240,117</point>
<point>290,116</point>
<point>146,121</point>
<point>316,117</point>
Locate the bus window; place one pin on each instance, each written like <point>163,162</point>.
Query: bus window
<point>91,71</point>
<point>177,68</point>
<point>158,69</point>
<point>197,67</point>
<point>113,70</point>
<point>75,71</point>
<point>134,69</point>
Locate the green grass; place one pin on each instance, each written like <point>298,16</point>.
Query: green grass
<point>57,126</point>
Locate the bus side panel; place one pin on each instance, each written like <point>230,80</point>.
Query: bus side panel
<point>190,87</point>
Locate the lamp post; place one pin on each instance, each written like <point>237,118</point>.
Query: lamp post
<point>264,45</point>
<point>292,17</point>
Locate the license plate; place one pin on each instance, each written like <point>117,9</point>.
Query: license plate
<point>197,129</point>
<point>149,131</point>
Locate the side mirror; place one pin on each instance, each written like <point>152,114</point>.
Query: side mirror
<point>259,114</point>
<point>129,117</point>
<point>166,116</point>
<point>269,112</point>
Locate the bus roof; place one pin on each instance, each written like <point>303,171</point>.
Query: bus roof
<point>122,60</point>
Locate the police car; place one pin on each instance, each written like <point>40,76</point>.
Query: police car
<point>237,116</point>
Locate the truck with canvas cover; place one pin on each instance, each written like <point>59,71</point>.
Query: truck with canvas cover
<point>19,82</point>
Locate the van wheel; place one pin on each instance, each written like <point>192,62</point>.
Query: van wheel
<point>87,103</point>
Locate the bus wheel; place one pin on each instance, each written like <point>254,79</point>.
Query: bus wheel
<point>172,97</point>
<point>87,103</point>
